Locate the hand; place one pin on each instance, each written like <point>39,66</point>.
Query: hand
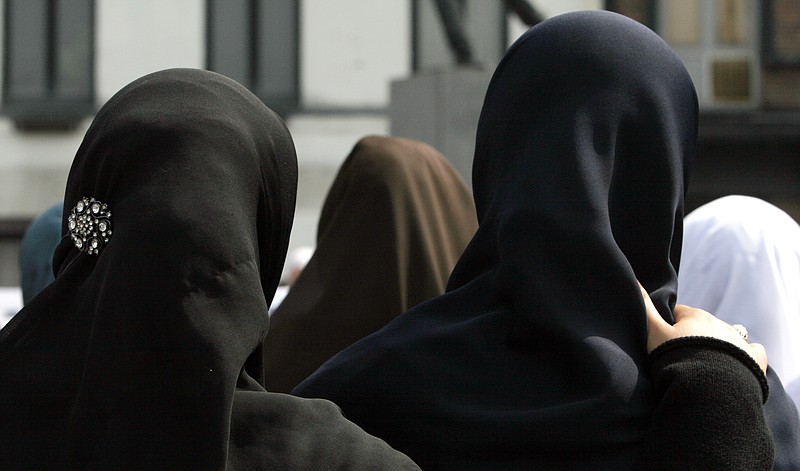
<point>690,321</point>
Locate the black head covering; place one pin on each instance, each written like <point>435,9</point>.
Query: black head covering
<point>534,358</point>
<point>134,358</point>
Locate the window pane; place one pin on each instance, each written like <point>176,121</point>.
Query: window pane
<point>785,18</point>
<point>681,21</point>
<point>733,21</point>
<point>73,46</point>
<point>277,59</point>
<point>731,80</point>
<point>229,42</point>
<point>255,43</point>
<point>26,48</point>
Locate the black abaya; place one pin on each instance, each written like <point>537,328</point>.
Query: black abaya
<point>145,353</point>
<point>535,356</point>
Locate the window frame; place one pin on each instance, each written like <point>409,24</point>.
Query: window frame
<point>283,103</point>
<point>49,110</point>
<point>770,56</point>
<point>707,51</point>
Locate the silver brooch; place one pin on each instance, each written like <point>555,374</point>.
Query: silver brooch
<point>89,225</point>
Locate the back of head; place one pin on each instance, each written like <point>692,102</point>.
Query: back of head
<point>583,135</point>
<point>36,251</point>
<point>179,205</point>
<point>394,222</point>
<point>535,355</point>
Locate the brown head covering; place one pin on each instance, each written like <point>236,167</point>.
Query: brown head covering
<point>394,223</point>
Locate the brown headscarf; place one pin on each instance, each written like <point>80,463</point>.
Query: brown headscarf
<point>395,221</point>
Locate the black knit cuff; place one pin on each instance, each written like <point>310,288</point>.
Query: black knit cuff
<point>715,343</point>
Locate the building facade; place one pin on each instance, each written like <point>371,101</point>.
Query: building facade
<point>744,57</point>
<point>328,67</point>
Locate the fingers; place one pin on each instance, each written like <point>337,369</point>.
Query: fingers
<point>691,321</point>
<point>658,330</point>
<point>759,353</point>
<point>682,311</point>
<point>650,308</point>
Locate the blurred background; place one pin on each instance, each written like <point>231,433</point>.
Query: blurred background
<point>337,70</point>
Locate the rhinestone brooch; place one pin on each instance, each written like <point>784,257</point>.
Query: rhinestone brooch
<point>89,225</point>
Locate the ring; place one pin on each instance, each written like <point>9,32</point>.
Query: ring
<point>741,330</point>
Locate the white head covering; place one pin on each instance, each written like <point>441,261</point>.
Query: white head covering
<point>741,261</point>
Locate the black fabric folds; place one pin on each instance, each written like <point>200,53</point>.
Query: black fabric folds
<point>535,357</point>
<point>146,355</point>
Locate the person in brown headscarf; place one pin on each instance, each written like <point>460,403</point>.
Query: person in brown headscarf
<point>395,221</point>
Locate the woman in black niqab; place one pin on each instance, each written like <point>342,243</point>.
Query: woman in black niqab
<point>145,351</point>
<point>534,358</point>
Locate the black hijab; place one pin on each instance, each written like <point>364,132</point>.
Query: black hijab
<point>145,353</point>
<point>535,357</point>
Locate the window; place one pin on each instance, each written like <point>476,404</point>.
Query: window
<point>717,41</point>
<point>255,42</point>
<point>48,78</point>
<point>782,32</point>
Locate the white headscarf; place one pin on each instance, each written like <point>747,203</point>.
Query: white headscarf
<point>741,261</point>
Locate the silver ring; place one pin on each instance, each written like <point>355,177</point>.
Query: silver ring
<point>741,330</point>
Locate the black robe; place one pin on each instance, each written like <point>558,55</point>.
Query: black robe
<point>146,353</point>
<point>535,356</point>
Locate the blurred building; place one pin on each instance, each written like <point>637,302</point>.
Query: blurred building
<point>744,58</point>
<point>336,70</point>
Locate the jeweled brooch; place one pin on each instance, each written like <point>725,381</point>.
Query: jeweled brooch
<point>89,225</point>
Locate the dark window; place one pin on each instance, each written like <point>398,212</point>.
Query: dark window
<point>717,42</point>
<point>731,79</point>
<point>48,78</point>
<point>781,32</point>
<point>255,42</point>
<point>643,11</point>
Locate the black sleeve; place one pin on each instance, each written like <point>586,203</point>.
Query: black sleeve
<point>709,413</point>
